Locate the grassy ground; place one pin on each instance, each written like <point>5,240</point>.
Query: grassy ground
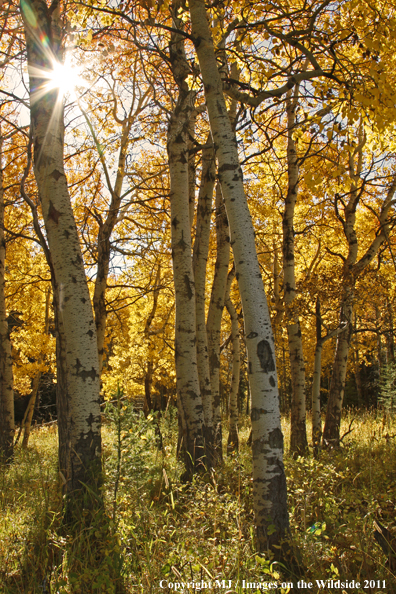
<point>156,528</point>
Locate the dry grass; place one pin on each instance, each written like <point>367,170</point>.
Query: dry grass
<point>167,530</point>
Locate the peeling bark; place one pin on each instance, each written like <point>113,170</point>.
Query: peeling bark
<point>269,481</point>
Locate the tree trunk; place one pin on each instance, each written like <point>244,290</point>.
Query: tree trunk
<point>269,481</point>
<point>233,437</point>
<point>331,433</point>
<point>356,367</point>
<point>78,353</point>
<point>200,258</point>
<point>215,313</point>
<point>191,165</point>
<point>298,437</point>
<point>148,380</point>
<point>390,339</point>
<point>7,424</point>
<point>187,381</point>
<point>316,414</point>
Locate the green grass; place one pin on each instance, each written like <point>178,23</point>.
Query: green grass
<point>158,528</point>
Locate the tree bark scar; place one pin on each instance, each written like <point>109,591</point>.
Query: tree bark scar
<point>256,413</point>
<point>188,286</point>
<point>93,374</point>
<point>275,438</point>
<point>228,167</point>
<point>264,354</point>
<point>252,335</point>
<point>56,174</point>
<point>53,214</point>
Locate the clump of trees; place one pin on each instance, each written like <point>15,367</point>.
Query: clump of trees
<point>207,158</point>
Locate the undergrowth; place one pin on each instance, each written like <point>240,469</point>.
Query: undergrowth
<point>156,528</point>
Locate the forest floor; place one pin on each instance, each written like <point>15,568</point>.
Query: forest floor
<point>156,528</point>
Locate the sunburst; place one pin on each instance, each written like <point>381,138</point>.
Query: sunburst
<point>64,77</point>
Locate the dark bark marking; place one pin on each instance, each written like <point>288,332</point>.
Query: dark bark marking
<point>264,354</point>
<point>66,234</point>
<point>188,286</point>
<point>220,108</point>
<point>258,447</point>
<point>275,439</point>
<point>192,395</point>
<point>83,300</point>
<point>93,374</point>
<point>56,174</point>
<point>175,222</point>
<point>214,361</point>
<point>272,381</point>
<point>228,167</point>
<point>252,335</point>
<point>53,214</point>
<point>90,333</point>
<point>256,413</point>
<point>91,419</point>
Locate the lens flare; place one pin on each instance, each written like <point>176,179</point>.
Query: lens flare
<point>63,77</point>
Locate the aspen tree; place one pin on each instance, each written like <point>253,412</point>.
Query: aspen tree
<point>298,437</point>
<point>215,313</point>
<point>269,481</point>
<point>233,437</point>
<point>187,380</point>
<point>200,258</point>
<point>77,347</point>
<point>7,425</point>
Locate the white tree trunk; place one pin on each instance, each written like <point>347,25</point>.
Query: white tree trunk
<point>269,481</point>
<point>298,437</point>
<point>316,413</point>
<point>233,436</point>
<point>79,352</point>
<point>187,381</point>
<point>213,322</point>
<point>7,425</point>
<point>200,258</point>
